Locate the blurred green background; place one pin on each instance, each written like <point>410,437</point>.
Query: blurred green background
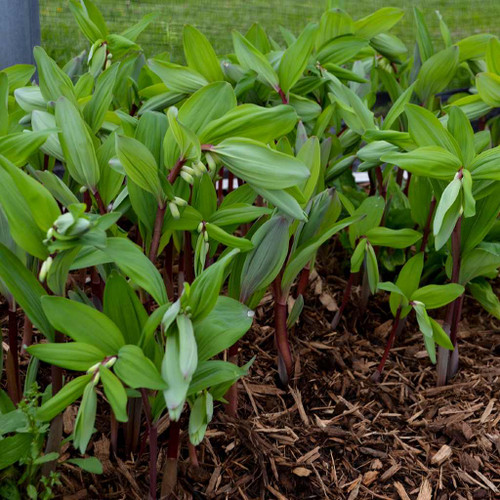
<point>62,39</point>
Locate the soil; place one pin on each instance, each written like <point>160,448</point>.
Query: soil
<point>334,433</point>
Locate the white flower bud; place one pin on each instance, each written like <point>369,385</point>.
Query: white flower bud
<point>187,177</point>
<point>174,210</point>
<point>210,162</point>
<point>83,189</point>
<point>94,368</point>
<point>180,202</point>
<point>44,270</point>
<point>200,227</point>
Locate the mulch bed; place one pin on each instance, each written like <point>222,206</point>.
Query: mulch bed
<point>334,433</point>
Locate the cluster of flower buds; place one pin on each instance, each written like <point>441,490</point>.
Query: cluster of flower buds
<point>174,205</point>
<point>94,369</point>
<point>195,170</point>
<point>44,270</point>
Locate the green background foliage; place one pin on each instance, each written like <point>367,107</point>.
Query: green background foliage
<point>61,38</point>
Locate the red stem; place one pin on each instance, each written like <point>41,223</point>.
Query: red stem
<point>100,203</point>
<point>407,185</point>
<point>27,333</point>
<point>345,300</point>
<point>174,173</point>
<point>155,240</point>
<point>380,180</point>
<point>390,341</point>
<point>284,99</point>
<point>153,444</point>
<point>427,228</point>
<point>303,281</point>
<point>232,393</point>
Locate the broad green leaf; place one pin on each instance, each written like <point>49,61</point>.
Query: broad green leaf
<point>392,238</point>
<point>83,323</point>
<point>447,200</point>
<point>122,305</point>
<point>70,355</point>
<point>42,205</point>
<point>474,46</point>
<point>115,393</point>
<point>304,253</point>
<point>263,263</point>
<point>474,229</point>
<point>85,419</point>
<point>294,60</point>
<point>188,351</point>
<point>461,129</point>
<point>25,288</point>
<point>448,221</point>
<point>136,370</point>
<point>371,210</point>
<point>428,161</point>
<point>18,147</point>
<point>424,40</point>
<point>483,292</point>
<point>435,296</point>
<point>54,82</point>
<point>486,165</point>
<point>380,21</point>
<point>389,46</point>
<point>440,336</point>
<point>90,464</point>
<point>200,54</point>
<point>426,130</point>
<point>199,418</point>
<point>4,104</point>
<point>131,261</point>
<point>41,121</point>
<point>341,49</point>
<point>140,165</point>
<point>282,200</point>
<point>18,75</point>
<point>238,213</point>
<point>177,78</point>
<point>334,23</point>
<point>493,56</point>
<point>89,19</point>
<point>469,203</point>
<point>218,234</point>
<point>252,122</point>
<point>96,109</point>
<point>398,107</point>
<point>478,262</point>
<point>259,165</point>
<point>206,287</point>
<point>226,323</point>
<point>437,72</point>
<point>488,87</point>
<point>408,281</point>
<point>15,448</point>
<point>77,144</point>
<point>67,395</point>
<point>250,58</point>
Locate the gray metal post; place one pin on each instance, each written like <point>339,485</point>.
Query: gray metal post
<point>20,30</point>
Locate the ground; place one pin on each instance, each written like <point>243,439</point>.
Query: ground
<point>335,434</point>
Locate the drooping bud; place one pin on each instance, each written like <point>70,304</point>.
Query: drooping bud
<point>180,202</point>
<point>210,162</point>
<point>174,210</point>
<point>44,270</point>
<point>187,177</point>
<point>200,227</point>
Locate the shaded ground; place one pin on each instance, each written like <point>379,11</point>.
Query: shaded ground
<point>335,434</point>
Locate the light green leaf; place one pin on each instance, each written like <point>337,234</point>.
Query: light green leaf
<point>380,21</point>
<point>392,238</point>
<point>115,393</point>
<point>177,78</point>
<point>70,355</point>
<point>435,296</point>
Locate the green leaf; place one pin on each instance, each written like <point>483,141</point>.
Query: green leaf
<point>18,75</point>
<point>380,21</point>
<point>461,129</point>
<point>215,372</point>
<point>206,287</point>
<point>282,200</point>
<point>263,263</point>
<point>392,238</point>
<point>199,418</point>
<point>486,165</point>
<point>483,292</point>
<point>122,305</point>
<point>71,355</point>
<point>115,393</point>
<point>218,234</point>
<point>85,419</point>
<point>435,296</point>
<point>83,323</point>
<point>252,122</point>
<point>250,58</point>
<point>200,54</point>
<point>42,121</point>
<point>358,256</point>
<point>90,464</point>
<point>424,40</point>
<point>371,211</point>
<point>408,281</point>
<point>474,46</point>
<point>259,165</point>
<point>140,165</point>
<point>226,323</point>
<point>469,203</point>
<point>77,144</point>
<point>177,78</point>
<point>18,147</point>
<point>398,107</point>
<point>428,161</point>
<point>437,72</point>
<point>305,252</point>
<point>136,370</point>
<point>54,82</point>
<point>372,268</point>
<point>295,58</point>
<point>334,23</point>
<point>448,198</point>
<point>426,130</point>
<point>188,351</point>
<point>388,286</point>
<point>96,109</point>
<point>492,56</point>
<point>25,288</point>
<point>440,336</point>
<point>478,262</point>
<point>341,49</point>
<point>89,19</point>
<point>15,448</point>
<point>41,204</point>
<point>238,213</point>
<point>67,395</point>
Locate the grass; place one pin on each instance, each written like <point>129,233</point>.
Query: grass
<point>216,19</point>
